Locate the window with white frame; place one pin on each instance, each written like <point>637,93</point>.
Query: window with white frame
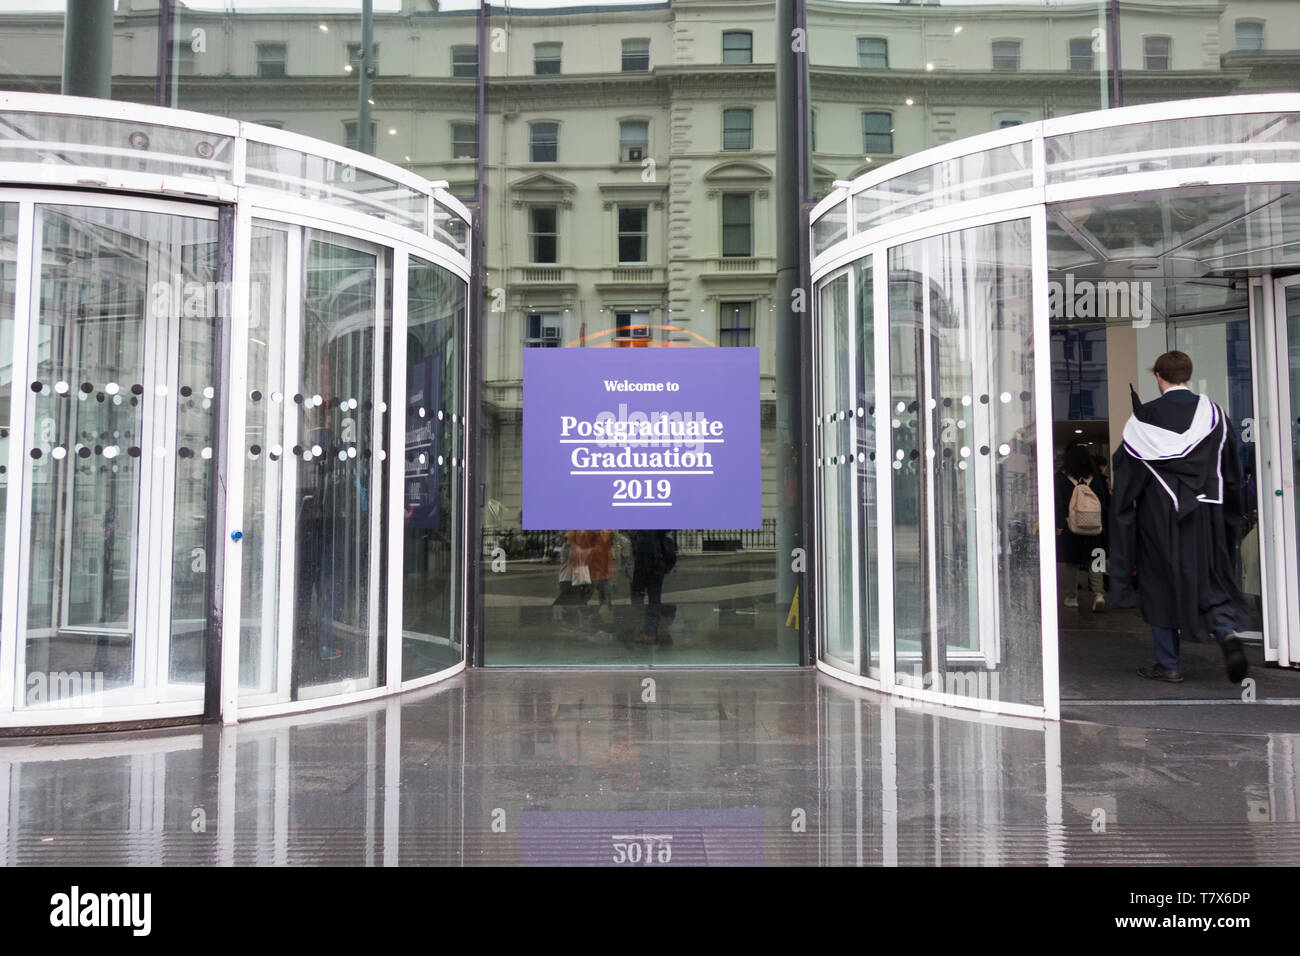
<point>873,53</point>
<point>271,58</point>
<point>735,324</point>
<point>546,58</point>
<point>633,233</point>
<point>1250,36</point>
<point>544,142</point>
<point>1006,55</point>
<point>543,235</point>
<point>1081,57</point>
<point>542,331</point>
<point>181,55</point>
<point>464,60</point>
<point>350,134</point>
<point>636,56</point>
<point>354,57</point>
<point>464,142</point>
<point>737,46</point>
<point>1155,53</point>
<point>877,133</point>
<point>631,324</point>
<point>737,224</point>
<point>738,129</point>
<point>633,140</point>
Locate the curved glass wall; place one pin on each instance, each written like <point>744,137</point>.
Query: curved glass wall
<point>220,497</point>
<point>1018,318</point>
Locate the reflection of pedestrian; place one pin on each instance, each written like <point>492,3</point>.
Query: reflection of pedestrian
<point>1176,515</point>
<point>600,564</point>
<point>1076,541</point>
<point>654,553</point>
<point>575,575</point>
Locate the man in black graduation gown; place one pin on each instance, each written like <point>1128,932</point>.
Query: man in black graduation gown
<point>1176,518</point>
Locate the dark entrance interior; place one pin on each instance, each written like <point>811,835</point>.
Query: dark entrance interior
<point>1132,277</point>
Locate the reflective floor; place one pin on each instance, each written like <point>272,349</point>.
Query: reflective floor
<point>700,767</point>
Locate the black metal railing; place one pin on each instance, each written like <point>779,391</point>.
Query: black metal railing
<point>548,545</point>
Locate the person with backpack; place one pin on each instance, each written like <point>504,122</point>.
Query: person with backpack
<point>1082,503</point>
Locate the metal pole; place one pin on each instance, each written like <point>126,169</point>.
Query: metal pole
<point>477,391</point>
<point>791,305</point>
<point>365,143</point>
<point>1113,60</point>
<point>88,48</point>
<point>220,466</point>
<point>164,95</point>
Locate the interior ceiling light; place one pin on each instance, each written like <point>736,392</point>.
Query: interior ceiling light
<point>347,67</point>
<point>908,101</point>
<point>929,66</point>
<point>324,28</point>
<point>956,30</point>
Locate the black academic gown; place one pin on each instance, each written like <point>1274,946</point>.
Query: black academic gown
<point>1177,521</point>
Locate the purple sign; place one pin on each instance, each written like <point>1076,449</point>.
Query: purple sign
<point>642,838</point>
<point>641,438</point>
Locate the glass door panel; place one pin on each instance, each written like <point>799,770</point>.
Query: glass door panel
<point>265,462</point>
<point>432,504</point>
<point>865,469</point>
<point>8,293</point>
<point>339,491</point>
<point>1291,302</point>
<point>965,465</point>
<point>835,475</point>
<point>119,291</point>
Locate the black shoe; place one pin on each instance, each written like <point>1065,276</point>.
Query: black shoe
<point>1234,657</point>
<point>1156,672</point>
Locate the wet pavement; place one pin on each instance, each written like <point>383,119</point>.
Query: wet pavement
<point>751,767</point>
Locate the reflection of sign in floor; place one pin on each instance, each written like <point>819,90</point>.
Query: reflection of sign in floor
<point>641,438</point>
<point>637,838</point>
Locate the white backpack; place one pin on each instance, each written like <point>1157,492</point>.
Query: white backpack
<point>1084,517</point>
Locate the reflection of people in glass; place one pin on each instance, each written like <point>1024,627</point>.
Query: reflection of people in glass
<point>327,557</point>
<point>654,553</point>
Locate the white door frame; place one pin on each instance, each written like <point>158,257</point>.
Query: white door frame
<point>1275,469</point>
<point>150,616</point>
